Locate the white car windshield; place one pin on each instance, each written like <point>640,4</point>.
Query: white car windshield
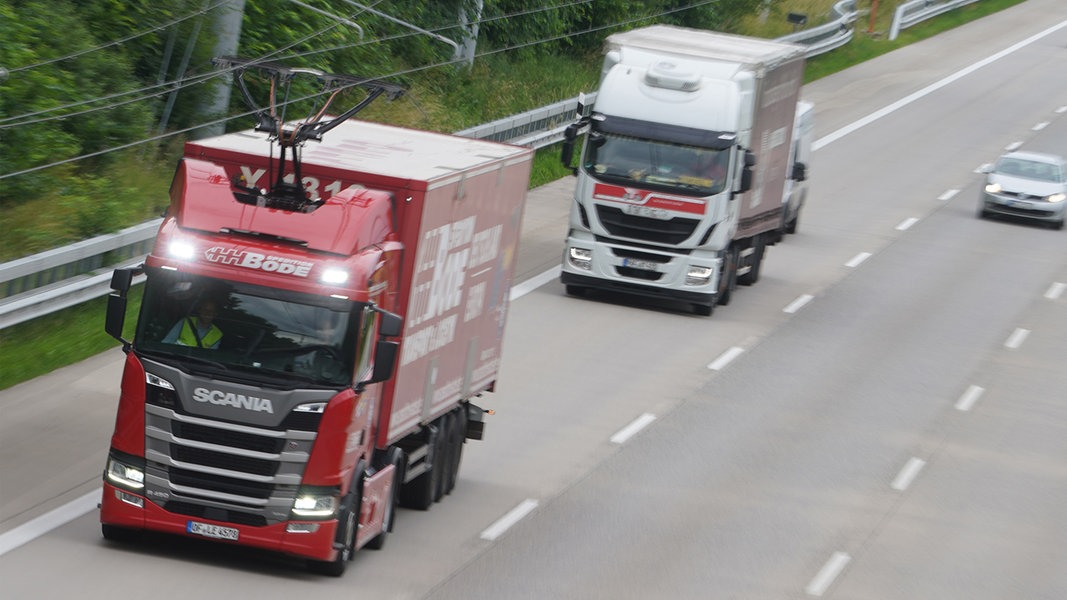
<point>1030,169</point>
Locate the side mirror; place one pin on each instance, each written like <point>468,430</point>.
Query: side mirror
<point>746,172</point>
<point>391,325</point>
<point>566,155</point>
<point>115,317</point>
<point>385,354</point>
<point>800,172</point>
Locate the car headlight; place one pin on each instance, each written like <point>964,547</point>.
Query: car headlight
<point>581,258</point>
<point>1056,197</point>
<point>315,503</point>
<point>993,188</point>
<point>125,475</point>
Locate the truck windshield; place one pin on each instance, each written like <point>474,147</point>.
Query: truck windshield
<point>675,168</point>
<point>254,333</point>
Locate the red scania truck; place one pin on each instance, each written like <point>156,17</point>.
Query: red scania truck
<point>356,316</point>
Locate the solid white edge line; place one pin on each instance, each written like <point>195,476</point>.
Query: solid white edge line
<point>534,282</point>
<point>907,223</point>
<point>968,399</point>
<point>828,574</point>
<point>1055,290</point>
<point>858,259</point>
<point>798,304</point>
<point>908,474</point>
<point>948,195</point>
<point>35,528</point>
<point>1017,338</point>
<point>933,87</point>
<point>513,516</point>
<point>624,434</point>
<point>724,359</point>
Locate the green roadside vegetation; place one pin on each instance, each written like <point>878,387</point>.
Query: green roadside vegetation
<point>43,345</point>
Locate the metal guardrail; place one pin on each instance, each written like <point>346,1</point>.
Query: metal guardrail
<point>916,11</point>
<point>43,283</point>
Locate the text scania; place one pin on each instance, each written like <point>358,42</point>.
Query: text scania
<point>241,401</point>
<point>262,262</point>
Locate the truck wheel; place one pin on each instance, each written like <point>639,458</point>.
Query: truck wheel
<point>395,457</point>
<point>348,523</point>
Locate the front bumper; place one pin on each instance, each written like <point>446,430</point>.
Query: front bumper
<point>1031,208</point>
<point>316,545</point>
<point>640,270</point>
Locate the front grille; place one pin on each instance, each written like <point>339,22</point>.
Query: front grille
<point>227,437</point>
<point>223,471</point>
<point>670,231</point>
<point>218,483</point>
<point>219,460</point>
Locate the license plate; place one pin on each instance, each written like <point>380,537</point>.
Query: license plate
<point>1021,204</point>
<point>636,263</point>
<point>644,211</point>
<point>211,531</point>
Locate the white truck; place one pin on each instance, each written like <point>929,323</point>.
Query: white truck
<point>692,165</point>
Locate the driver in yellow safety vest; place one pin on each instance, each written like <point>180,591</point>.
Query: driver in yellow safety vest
<point>199,332</point>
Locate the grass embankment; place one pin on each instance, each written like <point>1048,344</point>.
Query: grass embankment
<point>497,89</point>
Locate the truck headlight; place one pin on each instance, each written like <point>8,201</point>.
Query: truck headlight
<point>698,275</point>
<point>315,503</point>
<point>125,475</point>
<point>580,258</point>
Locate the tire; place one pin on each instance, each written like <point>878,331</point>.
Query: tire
<point>395,457</point>
<point>348,520</point>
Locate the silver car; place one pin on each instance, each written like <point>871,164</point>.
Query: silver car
<point>1030,185</point>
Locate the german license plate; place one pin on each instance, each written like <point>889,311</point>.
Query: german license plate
<point>212,531</point>
<point>644,211</point>
<point>636,263</point>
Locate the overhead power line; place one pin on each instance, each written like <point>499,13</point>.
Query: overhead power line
<point>391,75</point>
<point>122,40</point>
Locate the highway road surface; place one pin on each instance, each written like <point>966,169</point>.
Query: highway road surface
<point>882,416</point>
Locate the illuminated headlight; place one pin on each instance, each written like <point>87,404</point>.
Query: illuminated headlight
<point>1056,198</point>
<point>124,475</point>
<point>698,275</point>
<point>334,276</point>
<point>993,188</point>
<point>315,503</point>
<point>580,258</point>
<point>182,250</point>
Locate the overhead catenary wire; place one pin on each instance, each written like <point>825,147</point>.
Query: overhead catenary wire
<point>128,38</point>
<point>387,76</point>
